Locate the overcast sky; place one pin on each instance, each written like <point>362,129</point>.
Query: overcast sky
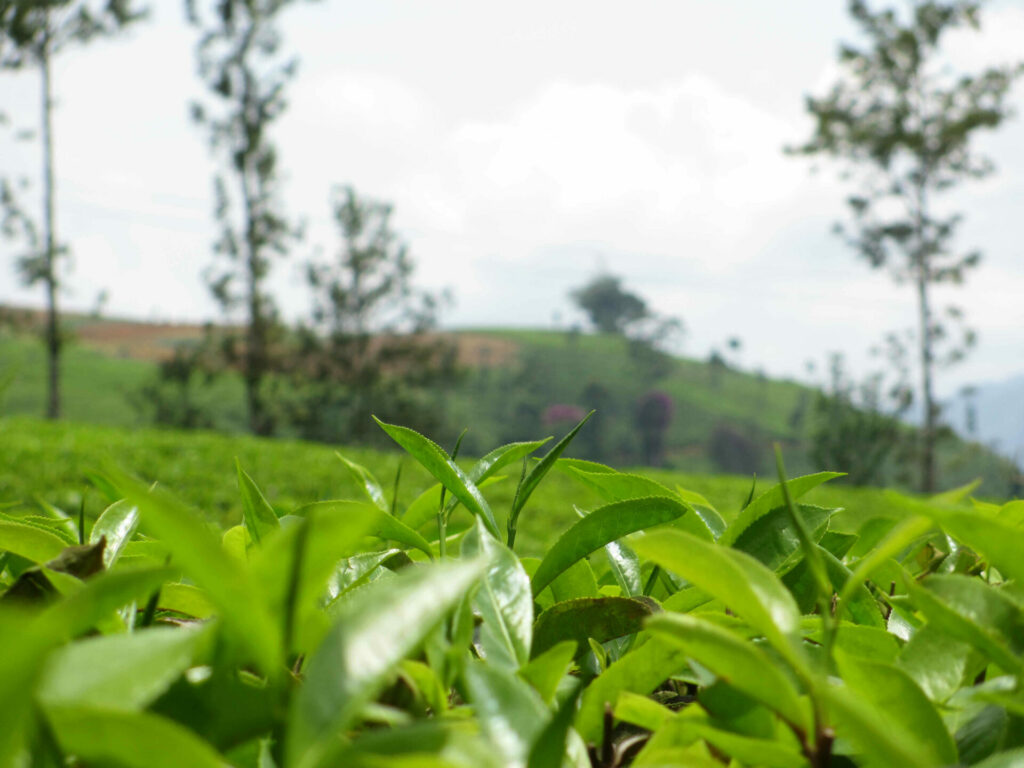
<point>527,146</point>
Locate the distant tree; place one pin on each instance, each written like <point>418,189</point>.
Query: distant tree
<point>32,34</point>
<point>716,367</point>
<point>653,416</point>
<point>904,124</point>
<point>239,61</point>
<point>852,427</point>
<point>367,347</point>
<point>731,450</point>
<point>593,440</point>
<point>610,307</point>
<point>171,397</point>
<point>968,394</point>
<point>735,345</point>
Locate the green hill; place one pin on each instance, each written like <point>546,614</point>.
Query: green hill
<point>515,385</point>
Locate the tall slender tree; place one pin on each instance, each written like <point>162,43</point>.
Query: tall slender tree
<point>903,121</point>
<point>368,348</point>
<point>241,64</point>
<point>32,34</point>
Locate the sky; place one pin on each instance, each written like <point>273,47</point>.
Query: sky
<point>526,148</point>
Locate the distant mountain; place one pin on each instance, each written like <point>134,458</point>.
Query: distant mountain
<point>999,416</point>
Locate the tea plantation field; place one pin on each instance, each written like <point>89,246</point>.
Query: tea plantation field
<point>52,462</point>
<point>267,604</point>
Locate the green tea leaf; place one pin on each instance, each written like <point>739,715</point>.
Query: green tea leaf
<point>772,499</point>
<point>705,511</point>
<point>895,541</point>
<point>736,661</point>
<point>608,523</point>
<point>99,597</point>
<point>117,672</point>
<point>424,507</point>
<point>935,661</point>
<point>186,599</point>
<point>774,540</point>
<point>372,488</point>
<point>198,553</point>
<point>642,711</point>
<point>542,467</point>
<point>620,486</point>
<point>510,712</point>
<point>384,526</point>
<point>1013,758</point>
<point>546,670</point>
<point>548,750</point>
<point>907,711</point>
<point>625,567</point>
<point>870,731</point>
<point>600,618</point>
<point>130,740</point>
<point>503,601</point>
<point>639,671</point>
<point>745,585</point>
<point>745,749</point>
<point>260,518</point>
<point>117,524</point>
<point>968,610</point>
<point>24,644</point>
<point>31,542</point>
<point>362,648</point>
<point>445,471</point>
<point>502,457</point>
<point>329,538</point>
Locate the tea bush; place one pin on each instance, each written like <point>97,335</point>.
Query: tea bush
<point>653,631</point>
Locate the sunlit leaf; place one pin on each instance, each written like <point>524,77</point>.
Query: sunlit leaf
<point>362,647</point>
<point>503,601</point>
<point>608,523</point>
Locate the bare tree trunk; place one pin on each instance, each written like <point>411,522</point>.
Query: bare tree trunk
<point>927,363</point>
<point>52,333</point>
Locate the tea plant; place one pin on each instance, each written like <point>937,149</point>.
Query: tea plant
<point>361,632</point>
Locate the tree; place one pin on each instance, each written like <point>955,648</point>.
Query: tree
<point>904,125</point>
<point>611,308</point>
<point>653,415</point>
<point>853,428</point>
<point>32,34</point>
<point>239,62</point>
<point>366,349</point>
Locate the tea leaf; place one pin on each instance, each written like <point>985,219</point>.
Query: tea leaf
<point>30,542</point>
<point>117,672</point>
<point>260,518</point>
<point>546,670</point>
<point>510,712</point>
<point>117,524</point>
<point>198,553</point>
<point>736,661</point>
<point>600,618</point>
<point>363,645</point>
<point>907,711</point>
<point>130,739</point>
<point>444,470</point>
<point>503,601</point>
<point>772,499</point>
<point>608,523</point>
<point>383,525</point>
<point>372,488</point>
<point>745,585</point>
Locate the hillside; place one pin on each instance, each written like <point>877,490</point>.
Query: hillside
<point>516,384</point>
